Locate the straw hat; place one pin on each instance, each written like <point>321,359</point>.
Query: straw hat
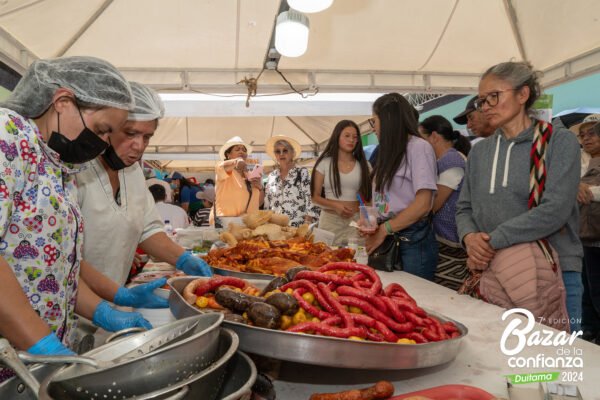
<point>270,146</point>
<point>590,119</point>
<point>234,141</point>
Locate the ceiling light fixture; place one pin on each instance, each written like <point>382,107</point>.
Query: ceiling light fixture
<point>291,33</point>
<point>309,6</point>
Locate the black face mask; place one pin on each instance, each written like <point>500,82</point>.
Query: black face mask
<point>112,159</point>
<point>85,147</point>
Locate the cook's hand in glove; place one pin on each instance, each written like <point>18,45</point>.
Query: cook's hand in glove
<point>49,345</point>
<point>113,320</point>
<point>193,265</point>
<point>141,296</point>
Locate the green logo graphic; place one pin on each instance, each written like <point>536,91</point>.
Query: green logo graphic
<point>537,377</point>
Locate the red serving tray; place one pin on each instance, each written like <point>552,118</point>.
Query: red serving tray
<point>446,392</point>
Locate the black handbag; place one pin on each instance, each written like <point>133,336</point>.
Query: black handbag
<point>387,256</point>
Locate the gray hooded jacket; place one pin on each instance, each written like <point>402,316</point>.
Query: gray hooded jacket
<point>496,190</point>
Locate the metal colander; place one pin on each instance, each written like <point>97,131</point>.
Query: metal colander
<point>209,383</point>
<point>137,374</point>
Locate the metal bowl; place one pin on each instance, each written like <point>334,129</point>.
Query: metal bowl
<point>240,377</point>
<point>328,351</point>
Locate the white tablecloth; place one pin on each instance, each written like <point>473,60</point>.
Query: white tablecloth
<point>479,363</point>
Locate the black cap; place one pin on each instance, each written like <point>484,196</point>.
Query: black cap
<point>461,118</point>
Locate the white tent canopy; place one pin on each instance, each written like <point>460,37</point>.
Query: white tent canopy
<point>208,46</point>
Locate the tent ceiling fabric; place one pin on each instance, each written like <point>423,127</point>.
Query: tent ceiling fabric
<point>405,45</point>
<point>209,46</point>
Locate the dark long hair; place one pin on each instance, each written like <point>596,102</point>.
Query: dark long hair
<point>397,122</point>
<point>331,150</point>
<point>186,182</point>
<point>439,124</point>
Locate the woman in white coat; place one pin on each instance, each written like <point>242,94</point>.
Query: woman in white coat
<point>120,212</point>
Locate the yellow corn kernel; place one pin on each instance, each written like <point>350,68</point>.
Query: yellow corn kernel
<point>289,291</point>
<point>245,315</point>
<point>406,341</point>
<point>355,310</point>
<point>237,289</point>
<point>309,297</point>
<point>202,302</point>
<point>299,317</point>
<point>286,322</point>
<point>335,294</point>
<point>315,319</point>
<point>355,338</point>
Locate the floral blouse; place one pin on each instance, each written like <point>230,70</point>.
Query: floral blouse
<point>292,196</point>
<point>41,231</point>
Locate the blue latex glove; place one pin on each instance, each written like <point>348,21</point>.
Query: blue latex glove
<point>141,296</point>
<point>193,265</point>
<point>50,346</point>
<point>113,320</point>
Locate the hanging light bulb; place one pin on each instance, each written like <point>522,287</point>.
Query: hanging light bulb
<point>310,6</point>
<point>291,33</point>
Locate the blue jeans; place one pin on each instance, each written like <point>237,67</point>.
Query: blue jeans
<point>419,253</point>
<point>574,288</point>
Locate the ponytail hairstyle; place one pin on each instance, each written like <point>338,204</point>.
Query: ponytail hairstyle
<point>443,127</point>
<point>331,150</point>
<point>397,123</point>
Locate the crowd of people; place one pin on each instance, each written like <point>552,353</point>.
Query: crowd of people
<point>75,205</point>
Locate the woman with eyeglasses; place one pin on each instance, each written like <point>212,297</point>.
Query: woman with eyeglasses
<point>341,173</point>
<point>497,207</point>
<point>404,185</point>
<point>588,133</point>
<point>287,190</point>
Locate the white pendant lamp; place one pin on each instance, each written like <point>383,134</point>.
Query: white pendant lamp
<point>291,33</point>
<point>310,6</point>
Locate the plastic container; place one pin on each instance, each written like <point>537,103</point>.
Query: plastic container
<point>459,392</point>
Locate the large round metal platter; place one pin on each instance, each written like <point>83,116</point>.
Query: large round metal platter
<point>241,275</point>
<point>328,351</point>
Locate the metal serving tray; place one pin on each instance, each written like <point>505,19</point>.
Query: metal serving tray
<point>323,350</point>
<point>242,275</point>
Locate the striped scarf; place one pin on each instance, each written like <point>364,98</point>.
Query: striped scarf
<point>537,164</point>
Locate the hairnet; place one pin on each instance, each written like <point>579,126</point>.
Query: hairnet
<point>92,80</point>
<point>148,105</point>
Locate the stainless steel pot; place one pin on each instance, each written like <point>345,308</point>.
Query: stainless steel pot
<point>240,377</point>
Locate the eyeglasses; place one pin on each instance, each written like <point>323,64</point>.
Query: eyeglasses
<point>587,133</point>
<point>281,151</point>
<point>491,99</point>
<point>371,122</point>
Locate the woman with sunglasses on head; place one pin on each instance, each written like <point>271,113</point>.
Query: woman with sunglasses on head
<point>342,172</point>
<point>59,115</point>
<point>287,190</point>
<point>499,205</point>
<point>404,185</point>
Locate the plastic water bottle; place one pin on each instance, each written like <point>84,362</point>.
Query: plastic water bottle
<point>168,228</point>
<point>358,244</point>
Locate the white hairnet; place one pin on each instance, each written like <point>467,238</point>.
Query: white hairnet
<point>92,80</point>
<point>148,105</point>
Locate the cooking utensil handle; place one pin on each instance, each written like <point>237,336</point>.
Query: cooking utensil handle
<point>180,395</point>
<point>31,358</point>
<point>9,357</point>
<point>123,332</point>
